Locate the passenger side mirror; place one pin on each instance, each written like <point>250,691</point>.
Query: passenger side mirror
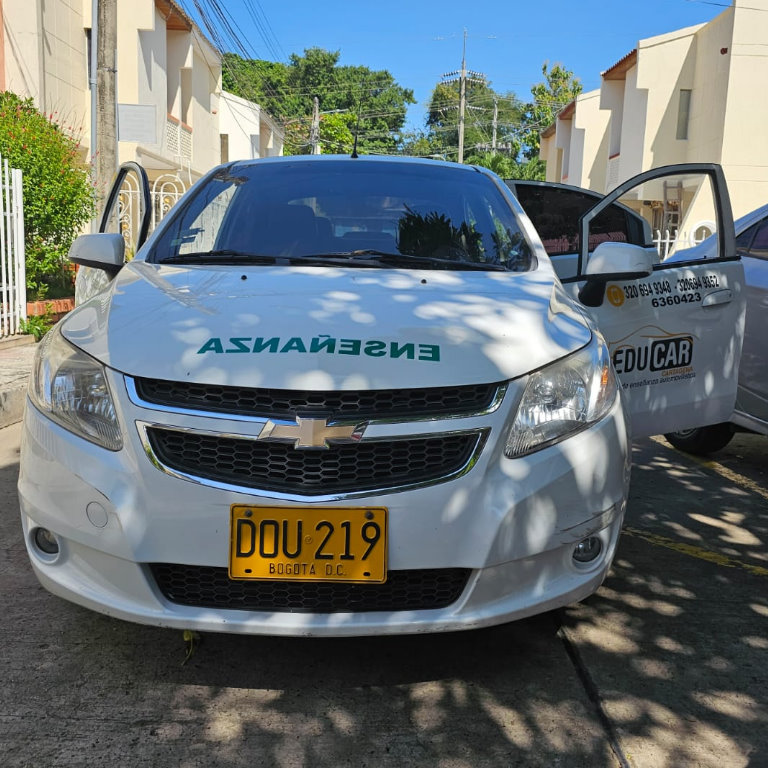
<point>613,261</point>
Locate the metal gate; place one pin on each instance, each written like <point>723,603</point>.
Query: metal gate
<point>13,278</point>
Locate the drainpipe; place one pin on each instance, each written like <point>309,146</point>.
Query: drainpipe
<point>2,48</point>
<point>92,84</point>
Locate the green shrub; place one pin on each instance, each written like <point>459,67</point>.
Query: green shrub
<point>38,325</point>
<point>59,197</point>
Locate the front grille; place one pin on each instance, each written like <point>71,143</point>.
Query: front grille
<point>207,587</point>
<point>386,404</point>
<point>353,467</point>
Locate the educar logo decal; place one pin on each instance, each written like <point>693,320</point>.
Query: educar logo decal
<point>653,350</point>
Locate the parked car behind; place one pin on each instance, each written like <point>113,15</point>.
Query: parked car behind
<point>751,412</point>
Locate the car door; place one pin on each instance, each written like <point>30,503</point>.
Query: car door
<point>675,330</point>
<point>752,398</point>
<point>127,211</point>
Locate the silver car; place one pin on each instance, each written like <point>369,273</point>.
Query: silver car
<point>751,411</point>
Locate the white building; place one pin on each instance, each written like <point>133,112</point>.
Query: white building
<point>247,131</point>
<point>168,84</point>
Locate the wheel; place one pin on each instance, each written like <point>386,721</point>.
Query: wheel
<point>702,440</point>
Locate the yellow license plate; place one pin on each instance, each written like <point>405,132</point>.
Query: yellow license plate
<point>308,544</point>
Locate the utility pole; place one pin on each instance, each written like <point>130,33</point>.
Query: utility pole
<point>105,156</point>
<point>495,123</point>
<point>464,75</point>
<point>462,96</point>
<point>314,133</point>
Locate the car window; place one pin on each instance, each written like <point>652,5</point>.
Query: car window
<point>744,240</point>
<point>759,245</point>
<point>555,213</point>
<point>676,209</point>
<point>299,209</point>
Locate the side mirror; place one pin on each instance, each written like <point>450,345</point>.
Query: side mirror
<point>102,251</point>
<point>613,261</point>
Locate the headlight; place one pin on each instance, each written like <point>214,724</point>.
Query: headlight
<point>563,399</point>
<point>70,387</point>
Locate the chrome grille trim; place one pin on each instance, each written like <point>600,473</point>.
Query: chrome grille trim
<point>136,399</point>
<point>481,436</point>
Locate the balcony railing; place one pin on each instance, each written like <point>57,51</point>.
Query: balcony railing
<point>178,140</point>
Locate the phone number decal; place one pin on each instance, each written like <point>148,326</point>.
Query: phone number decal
<point>685,290</point>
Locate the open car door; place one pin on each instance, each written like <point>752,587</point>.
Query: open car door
<point>675,328</point>
<point>128,213</point>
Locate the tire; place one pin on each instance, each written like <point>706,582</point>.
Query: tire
<point>702,440</point>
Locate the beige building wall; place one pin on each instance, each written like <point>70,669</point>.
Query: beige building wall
<point>589,142</point>
<point>745,134</point>
<point>576,150</point>
<point>550,154</point>
<point>165,67</point>
<point>174,76</point>
<point>665,66</point>
<point>46,58</point>
<point>205,109</point>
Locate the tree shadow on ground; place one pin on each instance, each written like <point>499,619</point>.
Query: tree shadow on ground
<point>676,646</point>
<point>676,639</point>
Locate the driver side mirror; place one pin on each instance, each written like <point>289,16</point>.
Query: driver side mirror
<point>613,261</point>
<point>102,251</point>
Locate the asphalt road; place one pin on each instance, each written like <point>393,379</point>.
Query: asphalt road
<point>667,665</point>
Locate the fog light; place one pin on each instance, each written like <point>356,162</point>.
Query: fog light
<point>46,541</point>
<point>587,550</point>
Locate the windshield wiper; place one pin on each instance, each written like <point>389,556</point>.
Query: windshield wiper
<point>222,256</point>
<point>365,257</point>
<point>370,257</point>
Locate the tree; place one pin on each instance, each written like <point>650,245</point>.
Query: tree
<point>59,197</point>
<point>355,92</point>
<point>558,89</point>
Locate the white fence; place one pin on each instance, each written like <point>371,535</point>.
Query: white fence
<point>13,278</point>
<point>670,241</point>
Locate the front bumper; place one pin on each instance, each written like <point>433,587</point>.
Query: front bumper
<point>513,523</point>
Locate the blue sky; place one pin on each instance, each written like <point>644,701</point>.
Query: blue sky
<point>507,41</point>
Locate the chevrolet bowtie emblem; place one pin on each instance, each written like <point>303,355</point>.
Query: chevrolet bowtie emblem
<point>310,433</point>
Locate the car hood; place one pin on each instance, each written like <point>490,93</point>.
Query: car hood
<point>327,328</point>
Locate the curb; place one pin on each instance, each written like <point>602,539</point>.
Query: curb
<point>16,358</point>
<point>12,405</point>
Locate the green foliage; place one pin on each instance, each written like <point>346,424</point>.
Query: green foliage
<point>38,325</point>
<point>420,144</point>
<point>58,194</point>
<point>558,89</point>
<point>344,92</point>
<point>443,119</point>
<point>336,134</point>
<point>501,164</point>
<point>508,167</point>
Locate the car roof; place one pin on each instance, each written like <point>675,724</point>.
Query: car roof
<point>750,218</point>
<point>373,159</point>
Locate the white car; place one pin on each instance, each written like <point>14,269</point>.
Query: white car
<point>350,396</point>
<point>751,410</point>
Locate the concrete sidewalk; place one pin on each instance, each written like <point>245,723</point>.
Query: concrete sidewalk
<point>16,356</point>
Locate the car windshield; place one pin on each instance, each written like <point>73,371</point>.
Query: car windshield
<point>349,212</point>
